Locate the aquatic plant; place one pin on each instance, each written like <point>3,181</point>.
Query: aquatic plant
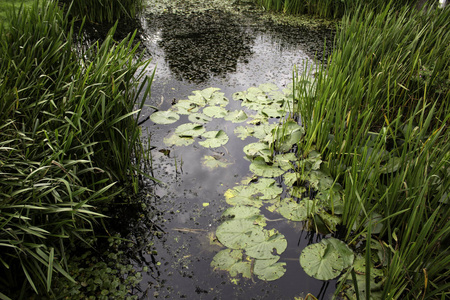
<point>105,10</point>
<point>69,140</point>
<point>379,115</point>
<point>328,8</point>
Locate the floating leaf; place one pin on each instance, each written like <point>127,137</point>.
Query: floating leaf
<point>258,149</point>
<point>242,212</point>
<point>262,131</point>
<point>199,118</point>
<point>321,261</point>
<point>268,87</point>
<point>164,117</point>
<point>243,132</point>
<point>261,168</point>
<point>218,99</point>
<point>272,112</point>
<point>287,135</point>
<point>268,187</point>
<point>285,160</point>
<point>275,243</point>
<point>208,92</point>
<point>330,221</point>
<point>342,249</point>
<point>239,96</point>
<point>197,99</point>
<point>214,139</point>
<point>176,140</point>
<point>294,211</point>
<point>190,130</point>
<point>215,111</point>
<point>231,261</point>
<point>212,162</point>
<point>239,233</point>
<point>185,107</point>
<point>292,178</point>
<point>269,269</point>
<point>236,116</point>
<point>242,195</point>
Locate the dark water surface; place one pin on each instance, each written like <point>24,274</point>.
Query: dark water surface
<point>193,52</point>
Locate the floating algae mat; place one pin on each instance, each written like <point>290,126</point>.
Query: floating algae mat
<point>224,140</point>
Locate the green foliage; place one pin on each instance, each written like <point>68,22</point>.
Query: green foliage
<point>105,10</point>
<point>68,134</point>
<point>328,8</point>
<point>379,115</point>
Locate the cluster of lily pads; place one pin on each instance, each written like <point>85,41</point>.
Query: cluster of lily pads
<point>311,192</point>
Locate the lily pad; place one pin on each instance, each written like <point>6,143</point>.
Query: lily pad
<point>215,111</point>
<point>190,130</point>
<point>218,99</point>
<point>208,92</point>
<point>197,99</point>
<point>287,135</point>
<point>164,117</point>
<point>269,269</point>
<point>268,187</point>
<point>242,212</point>
<point>212,162</point>
<point>258,149</point>
<point>285,160</point>
<point>268,87</point>
<point>199,118</point>
<point>236,116</point>
<point>185,107</point>
<point>294,211</point>
<point>242,195</point>
<point>243,132</point>
<point>321,261</point>
<point>239,234</point>
<point>274,244</point>
<point>261,168</point>
<point>214,139</point>
<point>176,140</point>
<point>231,261</point>
<point>342,249</point>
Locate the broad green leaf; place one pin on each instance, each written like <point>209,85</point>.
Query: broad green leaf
<point>176,140</point>
<point>239,233</point>
<point>263,130</point>
<point>268,87</point>
<point>215,111</point>
<point>243,132</point>
<point>242,212</point>
<point>236,116</point>
<point>231,261</point>
<point>258,149</point>
<point>272,112</point>
<point>164,117</point>
<point>199,118</point>
<point>273,245</point>
<point>285,160</point>
<point>287,135</point>
<point>330,221</point>
<point>321,261</point>
<point>218,99</point>
<point>185,107</point>
<point>239,96</point>
<point>242,195</point>
<point>197,99</point>
<point>269,269</point>
<point>212,162</point>
<point>261,168</point>
<point>214,139</point>
<point>294,211</point>
<point>208,92</point>
<point>342,249</point>
<point>376,275</point>
<point>190,130</point>
<point>268,187</point>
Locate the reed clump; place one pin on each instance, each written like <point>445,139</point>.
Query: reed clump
<point>108,11</point>
<point>379,113</point>
<point>69,140</point>
<point>327,8</point>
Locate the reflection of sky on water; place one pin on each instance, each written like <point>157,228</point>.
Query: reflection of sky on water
<point>185,256</point>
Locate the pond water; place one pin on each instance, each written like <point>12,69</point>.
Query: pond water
<point>231,52</point>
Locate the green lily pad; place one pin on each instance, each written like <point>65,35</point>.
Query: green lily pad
<point>243,132</point>
<point>274,244</point>
<point>330,221</point>
<point>294,211</point>
<point>231,261</point>
<point>208,92</point>
<point>212,162</point>
<point>218,99</point>
<point>258,149</point>
<point>268,87</point>
<point>242,195</point>
<point>285,160</point>
<point>214,139</point>
<point>321,261</point>
<point>176,140</point>
<point>197,99</point>
<point>287,135</point>
<point>164,117</point>
<point>262,131</point>
<point>236,116</point>
<point>190,130</point>
<point>239,96</point>
<point>272,112</point>
<point>269,269</point>
<point>242,212</point>
<point>342,249</point>
<point>199,118</point>
<point>215,111</point>
<point>239,233</point>
<point>292,178</point>
<point>261,168</point>
<point>268,187</point>
<point>185,107</point>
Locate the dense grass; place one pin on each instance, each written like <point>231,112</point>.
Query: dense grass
<point>379,114</point>
<point>327,8</point>
<point>68,136</point>
<point>105,10</point>
<point>6,5</point>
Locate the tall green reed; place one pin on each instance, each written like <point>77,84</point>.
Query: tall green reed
<point>379,112</point>
<point>69,133</point>
<point>106,10</point>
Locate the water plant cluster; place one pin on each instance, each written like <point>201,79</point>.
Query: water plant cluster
<point>69,141</point>
<point>327,8</point>
<point>379,115</point>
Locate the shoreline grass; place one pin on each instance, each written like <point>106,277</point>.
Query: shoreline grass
<point>380,116</point>
<point>69,140</point>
